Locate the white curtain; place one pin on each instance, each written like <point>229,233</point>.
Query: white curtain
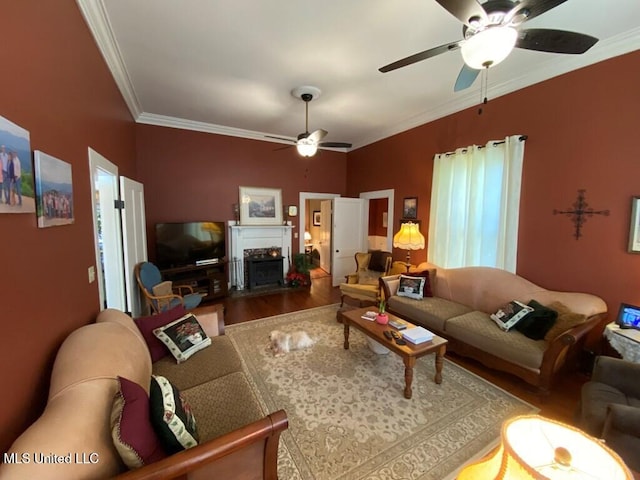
<point>475,202</point>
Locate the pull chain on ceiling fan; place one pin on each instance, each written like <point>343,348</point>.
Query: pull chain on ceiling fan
<point>491,31</point>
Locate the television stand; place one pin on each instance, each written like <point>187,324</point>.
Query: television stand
<point>210,280</point>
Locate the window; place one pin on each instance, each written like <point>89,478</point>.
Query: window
<point>475,202</point>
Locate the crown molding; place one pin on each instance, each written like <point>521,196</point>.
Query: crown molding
<point>621,44</point>
<point>95,15</point>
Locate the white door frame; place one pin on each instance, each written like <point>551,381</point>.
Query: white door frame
<point>389,194</point>
<point>304,196</point>
<point>102,169</point>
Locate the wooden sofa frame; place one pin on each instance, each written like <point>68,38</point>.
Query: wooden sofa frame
<point>249,453</point>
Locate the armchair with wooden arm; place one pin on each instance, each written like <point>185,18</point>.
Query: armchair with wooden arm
<point>162,295</point>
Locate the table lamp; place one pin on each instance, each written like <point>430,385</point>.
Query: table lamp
<point>408,238</point>
<point>533,447</point>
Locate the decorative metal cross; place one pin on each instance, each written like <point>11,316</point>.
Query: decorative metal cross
<point>580,212</point>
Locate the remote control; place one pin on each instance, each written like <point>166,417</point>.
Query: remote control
<point>388,334</point>
<point>396,336</point>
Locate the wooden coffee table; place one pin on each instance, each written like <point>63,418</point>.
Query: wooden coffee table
<point>409,352</point>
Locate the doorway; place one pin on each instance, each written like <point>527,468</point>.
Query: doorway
<point>107,231</point>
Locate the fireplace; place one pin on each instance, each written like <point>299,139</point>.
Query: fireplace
<point>250,240</point>
<point>264,270</point>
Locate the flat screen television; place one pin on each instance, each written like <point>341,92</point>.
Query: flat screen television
<point>190,243</point>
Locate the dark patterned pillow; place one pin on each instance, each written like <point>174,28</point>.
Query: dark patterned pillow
<point>378,260</point>
<point>183,337</point>
<point>411,287</point>
<point>147,325</point>
<point>171,416</point>
<point>536,324</point>
<point>133,435</point>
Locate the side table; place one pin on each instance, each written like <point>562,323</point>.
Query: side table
<point>625,341</point>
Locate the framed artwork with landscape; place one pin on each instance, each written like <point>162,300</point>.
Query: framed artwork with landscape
<point>260,206</point>
<point>410,208</point>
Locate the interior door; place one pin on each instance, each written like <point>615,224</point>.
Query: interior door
<point>134,238</point>
<point>107,231</point>
<point>324,245</point>
<point>349,235</point>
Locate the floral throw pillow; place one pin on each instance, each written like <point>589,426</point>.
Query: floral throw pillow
<point>171,416</point>
<point>183,337</point>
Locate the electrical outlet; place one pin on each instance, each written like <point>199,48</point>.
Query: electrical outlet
<point>295,235</point>
<point>92,274</point>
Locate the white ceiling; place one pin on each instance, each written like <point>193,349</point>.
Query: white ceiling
<point>228,66</point>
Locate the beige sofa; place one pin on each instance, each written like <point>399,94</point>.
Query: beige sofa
<point>236,439</point>
<point>464,298</point>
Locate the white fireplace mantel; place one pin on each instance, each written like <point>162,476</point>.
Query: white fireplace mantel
<point>244,237</point>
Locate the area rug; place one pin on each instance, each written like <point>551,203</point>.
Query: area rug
<point>348,418</point>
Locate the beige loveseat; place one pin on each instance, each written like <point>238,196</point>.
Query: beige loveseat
<point>463,300</point>
<point>236,439</point>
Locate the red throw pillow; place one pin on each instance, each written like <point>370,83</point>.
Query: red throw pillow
<point>426,292</point>
<point>131,430</point>
<point>147,325</point>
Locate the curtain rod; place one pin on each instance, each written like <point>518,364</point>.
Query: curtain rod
<point>522,138</point>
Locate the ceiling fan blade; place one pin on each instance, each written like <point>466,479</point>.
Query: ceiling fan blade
<point>532,8</point>
<point>281,138</point>
<point>283,148</point>
<point>418,57</point>
<point>466,77</point>
<point>554,41</point>
<point>334,145</point>
<point>318,135</point>
<point>464,10</point>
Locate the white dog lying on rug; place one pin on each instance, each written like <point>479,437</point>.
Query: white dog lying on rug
<point>282,342</point>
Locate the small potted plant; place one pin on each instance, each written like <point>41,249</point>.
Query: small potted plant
<point>382,317</point>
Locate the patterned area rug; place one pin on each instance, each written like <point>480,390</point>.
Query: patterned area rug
<point>348,418</point>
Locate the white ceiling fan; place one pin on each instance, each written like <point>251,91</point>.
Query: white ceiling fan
<point>307,143</point>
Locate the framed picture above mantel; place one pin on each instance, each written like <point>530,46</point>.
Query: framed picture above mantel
<point>260,206</point>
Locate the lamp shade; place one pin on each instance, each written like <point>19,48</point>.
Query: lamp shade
<point>307,237</point>
<point>409,237</point>
<point>533,447</point>
<point>489,47</point>
<point>306,147</point>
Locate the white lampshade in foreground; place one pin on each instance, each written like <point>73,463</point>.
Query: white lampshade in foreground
<point>306,147</point>
<point>489,47</point>
<point>533,447</point>
<point>307,237</point>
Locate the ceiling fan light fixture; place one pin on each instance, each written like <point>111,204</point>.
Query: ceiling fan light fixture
<point>306,147</point>
<point>489,47</point>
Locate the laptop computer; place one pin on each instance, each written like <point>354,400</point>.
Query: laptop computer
<point>628,316</point>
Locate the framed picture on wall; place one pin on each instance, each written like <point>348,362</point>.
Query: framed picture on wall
<point>54,191</point>
<point>316,218</point>
<point>410,208</point>
<point>634,228</point>
<point>260,206</point>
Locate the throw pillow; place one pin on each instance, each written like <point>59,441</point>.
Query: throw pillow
<point>426,274</point>
<point>171,416</point>
<point>184,337</point>
<point>147,325</point>
<point>536,324</point>
<point>378,261</point>
<point>411,287</point>
<point>133,435</point>
<point>163,288</point>
<point>510,314</point>
<point>566,320</point>
<point>367,277</point>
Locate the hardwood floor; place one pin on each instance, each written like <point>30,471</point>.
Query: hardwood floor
<point>560,404</point>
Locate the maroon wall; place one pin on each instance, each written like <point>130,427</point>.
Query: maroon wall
<point>55,84</point>
<point>582,130</point>
<point>194,176</point>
